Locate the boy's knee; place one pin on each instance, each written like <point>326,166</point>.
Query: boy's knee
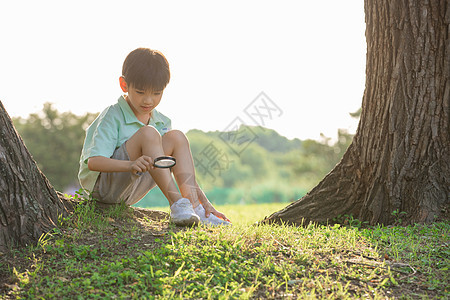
<point>149,133</point>
<point>176,136</point>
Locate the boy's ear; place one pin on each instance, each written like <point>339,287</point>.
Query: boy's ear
<point>123,84</point>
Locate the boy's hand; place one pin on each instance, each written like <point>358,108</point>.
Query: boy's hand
<point>142,164</point>
<point>209,209</point>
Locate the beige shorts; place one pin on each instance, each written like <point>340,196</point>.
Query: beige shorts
<point>117,187</point>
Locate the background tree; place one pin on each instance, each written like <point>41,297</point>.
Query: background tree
<point>399,158</point>
<point>55,140</point>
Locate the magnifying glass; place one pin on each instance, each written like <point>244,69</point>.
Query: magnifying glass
<point>164,162</point>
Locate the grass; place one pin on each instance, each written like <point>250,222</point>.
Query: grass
<point>125,254</point>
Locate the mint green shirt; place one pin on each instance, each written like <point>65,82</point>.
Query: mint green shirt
<point>113,127</point>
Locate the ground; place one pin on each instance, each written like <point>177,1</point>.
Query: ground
<point>115,252</point>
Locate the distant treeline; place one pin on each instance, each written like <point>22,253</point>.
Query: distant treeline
<point>250,165</point>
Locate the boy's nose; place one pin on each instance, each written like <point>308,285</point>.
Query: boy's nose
<point>148,101</point>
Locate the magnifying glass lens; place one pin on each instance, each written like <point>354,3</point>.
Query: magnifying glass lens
<point>164,162</point>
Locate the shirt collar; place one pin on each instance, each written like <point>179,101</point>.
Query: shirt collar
<point>130,117</point>
<point>156,117</point>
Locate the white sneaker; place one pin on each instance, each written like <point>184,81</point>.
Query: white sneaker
<point>182,213</point>
<point>211,220</point>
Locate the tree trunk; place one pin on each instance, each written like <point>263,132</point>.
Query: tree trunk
<point>29,206</point>
<point>399,158</point>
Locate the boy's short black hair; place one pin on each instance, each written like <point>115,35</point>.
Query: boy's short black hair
<point>146,69</point>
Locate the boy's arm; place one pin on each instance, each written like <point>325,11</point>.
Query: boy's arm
<point>105,164</point>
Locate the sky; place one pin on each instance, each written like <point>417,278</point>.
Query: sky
<point>297,67</point>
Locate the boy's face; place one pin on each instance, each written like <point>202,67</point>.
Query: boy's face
<point>142,102</point>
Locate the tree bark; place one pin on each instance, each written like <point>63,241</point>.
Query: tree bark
<point>399,158</point>
<point>29,206</point>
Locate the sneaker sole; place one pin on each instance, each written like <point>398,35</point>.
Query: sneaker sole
<point>187,222</point>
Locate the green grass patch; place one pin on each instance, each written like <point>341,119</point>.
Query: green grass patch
<point>123,254</point>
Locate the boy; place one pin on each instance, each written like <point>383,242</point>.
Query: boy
<point>116,162</point>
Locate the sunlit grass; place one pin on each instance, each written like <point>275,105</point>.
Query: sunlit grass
<point>243,214</point>
<point>107,254</point>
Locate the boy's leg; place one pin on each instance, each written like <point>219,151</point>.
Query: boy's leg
<point>176,144</point>
<point>147,141</point>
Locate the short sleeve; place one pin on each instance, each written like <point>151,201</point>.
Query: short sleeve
<point>101,136</point>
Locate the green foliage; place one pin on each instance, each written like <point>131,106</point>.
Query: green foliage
<point>236,175</point>
<point>268,139</point>
<point>267,156</point>
<point>55,140</point>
